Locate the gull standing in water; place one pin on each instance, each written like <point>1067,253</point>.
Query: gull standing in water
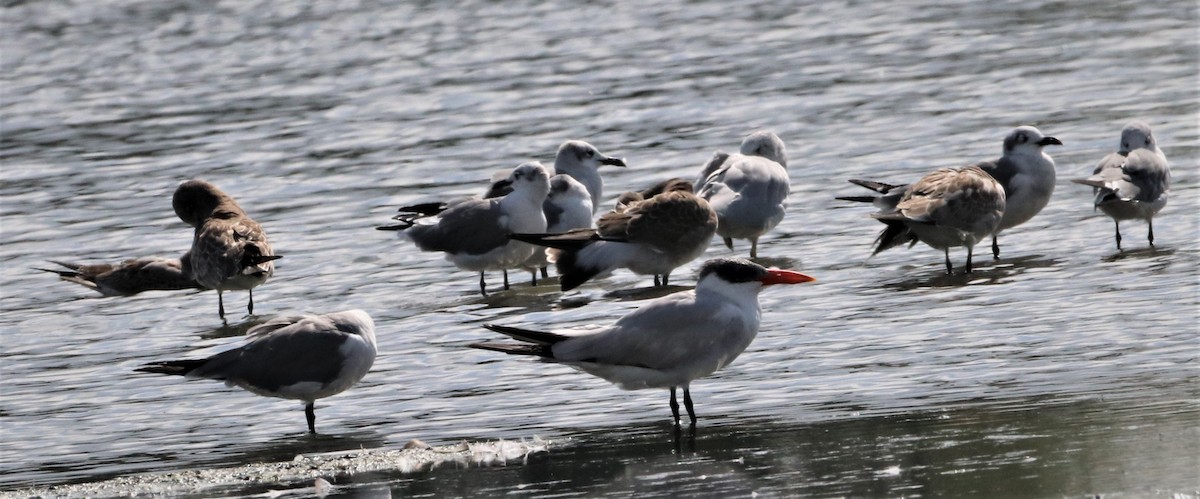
<point>575,158</point>
<point>568,207</point>
<point>945,209</point>
<point>1132,183</point>
<point>1025,170</point>
<point>669,342</point>
<point>474,233</point>
<point>129,277</point>
<point>748,190</point>
<point>304,358</point>
<point>652,236</point>
<point>229,250</point>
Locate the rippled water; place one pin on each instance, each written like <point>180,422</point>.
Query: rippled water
<point>1065,368</point>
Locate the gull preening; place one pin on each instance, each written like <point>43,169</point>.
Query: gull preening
<point>649,236</point>
<point>670,341</point>
<point>748,190</point>
<point>304,358</point>
<point>1024,170</point>
<point>948,208</point>
<point>474,233</point>
<point>229,250</point>
<point>1132,183</point>
<point>129,277</point>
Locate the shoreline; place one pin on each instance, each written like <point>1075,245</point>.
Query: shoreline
<point>306,473</point>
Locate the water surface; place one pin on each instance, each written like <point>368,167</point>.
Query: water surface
<point>1064,368</point>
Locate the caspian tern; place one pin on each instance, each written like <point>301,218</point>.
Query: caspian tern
<point>229,250</point>
<point>304,358</point>
<point>1132,183</point>
<point>670,341</point>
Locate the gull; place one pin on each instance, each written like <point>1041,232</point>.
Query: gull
<point>653,236</point>
<point>474,233</point>
<point>748,190</point>
<point>1024,169</point>
<point>582,161</point>
<point>669,342</point>
<point>229,250</point>
<point>1132,183</point>
<point>948,208</point>
<point>306,357</point>
<point>567,207</point>
<point>129,277</point>
<point>575,158</point>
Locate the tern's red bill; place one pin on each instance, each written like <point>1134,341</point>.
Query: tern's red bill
<point>776,276</point>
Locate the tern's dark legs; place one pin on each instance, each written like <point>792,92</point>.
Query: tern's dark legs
<point>1118,226</point>
<point>995,248</point>
<point>311,417</point>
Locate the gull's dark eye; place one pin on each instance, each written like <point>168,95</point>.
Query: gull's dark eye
<point>1147,142</point>
<point>1022,138</point>
<point>1125,145</point>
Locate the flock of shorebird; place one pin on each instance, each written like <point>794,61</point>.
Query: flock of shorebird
<point>535,216</point>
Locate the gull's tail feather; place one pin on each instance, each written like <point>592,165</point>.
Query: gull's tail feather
<point>895,234</point>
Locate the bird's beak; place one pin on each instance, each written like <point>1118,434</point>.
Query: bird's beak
<point>776,276</point>
<point>1049,141</point>
<point>609,160</point>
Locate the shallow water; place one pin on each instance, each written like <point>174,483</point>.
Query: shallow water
<point>1064,368</point>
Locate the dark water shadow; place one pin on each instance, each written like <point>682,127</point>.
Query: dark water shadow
<point>228,330</point>
<point>986,272</point>
<point>645,293</point>
<point>1147,252</point>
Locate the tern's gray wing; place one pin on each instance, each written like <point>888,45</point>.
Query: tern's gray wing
<point>661,335</point>
<point>473,227</point>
